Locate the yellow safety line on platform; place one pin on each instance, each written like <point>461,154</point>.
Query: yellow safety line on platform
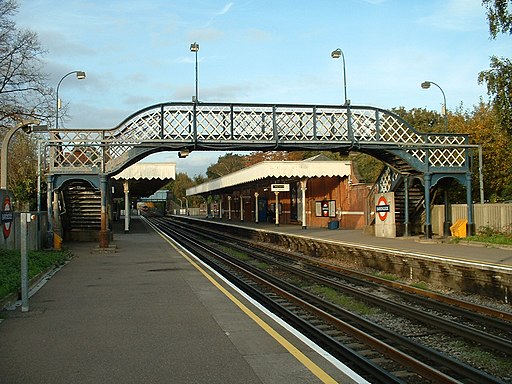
<point>315,369</point>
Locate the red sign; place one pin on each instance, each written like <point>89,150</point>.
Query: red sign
<point>382,208</point>
<point>7,224</point>
<point>325,209</point>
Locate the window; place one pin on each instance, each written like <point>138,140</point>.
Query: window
<point>325,208</point>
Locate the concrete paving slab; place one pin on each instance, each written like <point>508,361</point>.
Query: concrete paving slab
<point>282,367</point>
<point>142,314</point>
<point>117,318</point>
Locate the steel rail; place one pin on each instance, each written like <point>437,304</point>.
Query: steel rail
<point>352,358</point>
<point>466,332</point>
<point>420,367</point>
<point>491,341</point>
<point>469,310</point>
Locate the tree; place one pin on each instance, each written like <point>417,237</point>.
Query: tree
<point>499,16</point>
<point>484,128</point>
<point>179,185</point>
<point>335,156</point>
<point>23,86</point>
<point>225,165</point>
<point>499,77</point>
<point>258,157</point>
<point>23,95</point>
<point>499,87</point>
<point>423,120</point>
<point>22,171</point>
<point>199,179</point>
<point>367,168</point>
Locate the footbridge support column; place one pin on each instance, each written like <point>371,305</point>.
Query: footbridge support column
<point>127,208</point>
<point>104,230</point>
<point>447,213</point>
<point>470,226</point>
<point>303,184</point>
<point>256,211</point>
<point>49,205</point>
<point>407,222</point>
<point>427,229</point>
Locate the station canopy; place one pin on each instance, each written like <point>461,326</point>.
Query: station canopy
<point>145,178</point>
<point>317,166</point>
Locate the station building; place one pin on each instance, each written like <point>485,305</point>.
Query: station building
<point>316,192</point>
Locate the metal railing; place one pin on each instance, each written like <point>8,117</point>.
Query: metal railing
<point>227,126</point>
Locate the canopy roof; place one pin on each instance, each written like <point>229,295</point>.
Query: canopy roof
<point>145,178</point>
<point>309,168</point>
<point>148,171</point>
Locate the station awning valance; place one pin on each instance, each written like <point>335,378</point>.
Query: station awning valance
<point>148,171</point>
<point>145,178</point>
<point>277,170</point>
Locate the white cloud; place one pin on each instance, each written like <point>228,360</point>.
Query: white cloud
<point>137,54</point>
<point>226,9</point>
<point>459,15</point>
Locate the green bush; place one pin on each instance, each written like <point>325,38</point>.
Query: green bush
<point>38,262</point>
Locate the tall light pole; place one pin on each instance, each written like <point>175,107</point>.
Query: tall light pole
<point>447,206</point>
<point>27,126</point>
<point>194,47</point>
<point>426,85</point>
<point>80,75</point>
<point>336,54</point>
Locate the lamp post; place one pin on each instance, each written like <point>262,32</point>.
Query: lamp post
<point>27,126</point>
<point>80,75</point>
<point>194,47</point>
<point>336,54</point>
<point>426,85</point>
<point>447,206</point>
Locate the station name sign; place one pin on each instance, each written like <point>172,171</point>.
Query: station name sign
<point>7,217</point>
<point>280,187</point>
<point>382,208</point>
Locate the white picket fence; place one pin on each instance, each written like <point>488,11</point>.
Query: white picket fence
<point>496,216</point>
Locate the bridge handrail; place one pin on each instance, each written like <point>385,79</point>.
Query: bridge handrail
<point>224,126</point>
<point>196,108</point>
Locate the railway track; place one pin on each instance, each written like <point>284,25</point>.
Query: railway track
<point>286,285</point>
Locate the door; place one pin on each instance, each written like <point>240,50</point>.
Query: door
<point>262,209</point>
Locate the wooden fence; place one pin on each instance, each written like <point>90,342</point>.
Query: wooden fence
<point>496,216</point>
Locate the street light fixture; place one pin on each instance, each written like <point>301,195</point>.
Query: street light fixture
<point>426,85</point>
<point>336,54</point>
<point>194,47</point>
<point>80,75</point>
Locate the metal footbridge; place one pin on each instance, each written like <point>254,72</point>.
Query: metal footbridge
<point>97,154</point>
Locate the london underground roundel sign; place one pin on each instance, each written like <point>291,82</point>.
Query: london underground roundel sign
<point>7,217</point>
<point>382,208</point>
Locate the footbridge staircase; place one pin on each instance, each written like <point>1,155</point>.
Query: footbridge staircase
<point>408,216</point>
<point>94,155</point>
<point>81,210</point>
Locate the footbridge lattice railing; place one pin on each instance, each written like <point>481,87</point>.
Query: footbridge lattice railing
<point>232,127</point>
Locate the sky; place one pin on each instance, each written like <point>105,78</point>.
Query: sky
<point>137,54</point>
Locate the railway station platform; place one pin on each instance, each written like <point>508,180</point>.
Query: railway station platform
<point>438,248</point>
<point>144,312</point>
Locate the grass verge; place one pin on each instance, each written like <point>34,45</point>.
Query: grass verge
<point>489,235</point>
<point>493,239</point>
<point>38,262</point>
